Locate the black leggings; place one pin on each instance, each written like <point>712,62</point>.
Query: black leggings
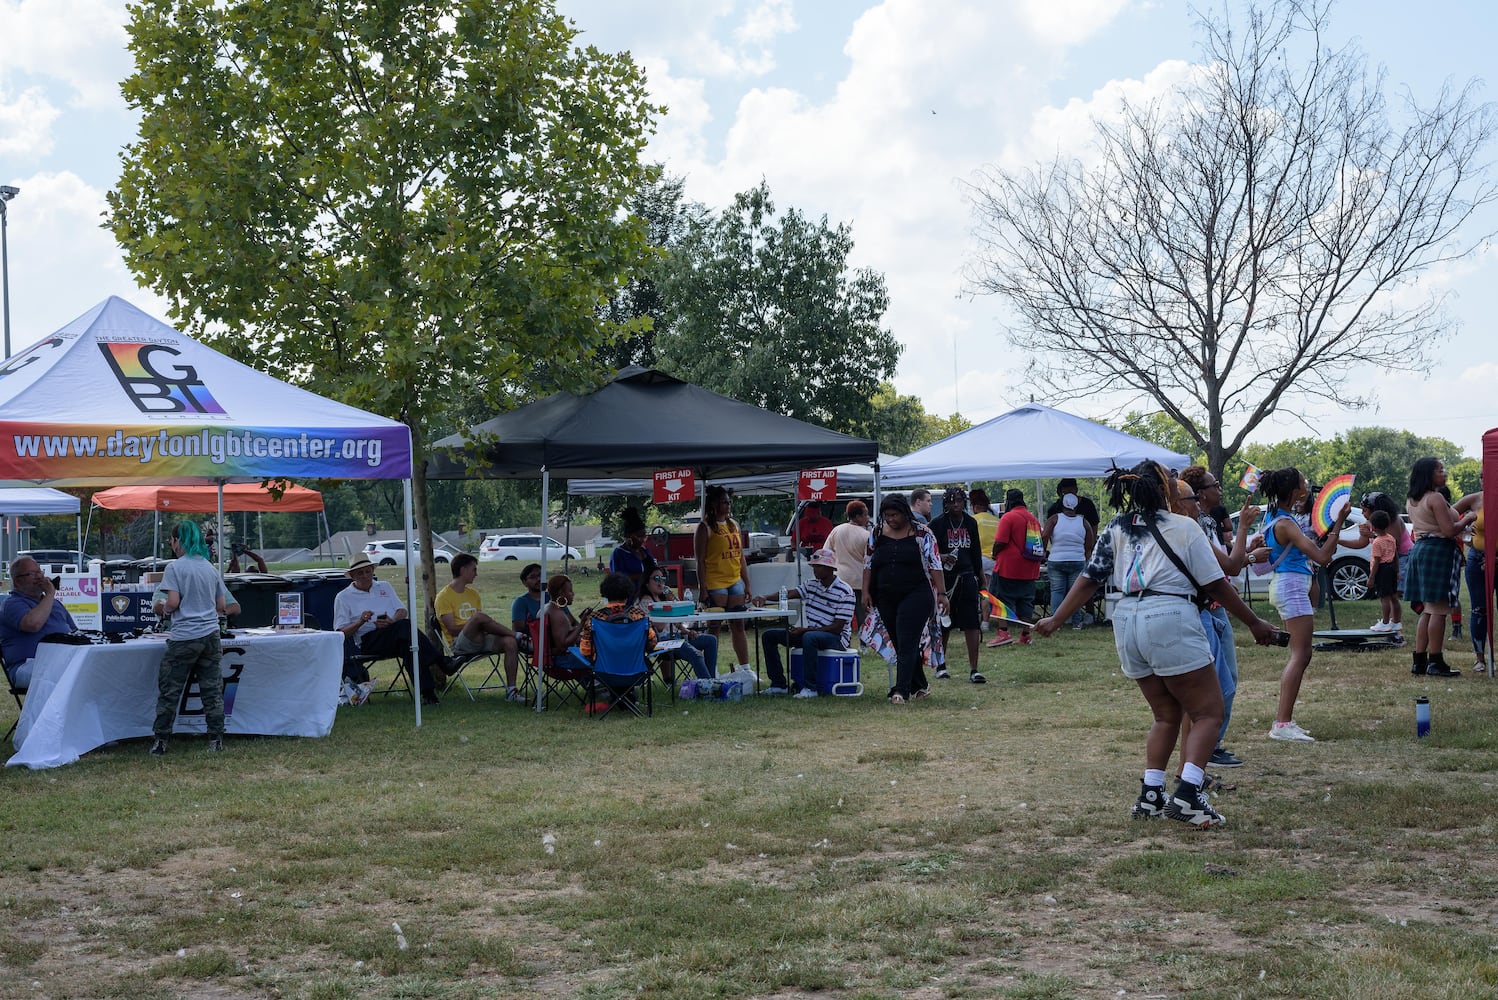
<point>905,616</point>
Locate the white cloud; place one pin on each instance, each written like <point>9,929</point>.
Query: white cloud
<point>80,43</point>
<point>26,124</point>
<point>766,22</point>
<point>1068,22</point>
<point>61,261</point>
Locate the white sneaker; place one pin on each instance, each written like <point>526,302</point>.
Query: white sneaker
<point>1381,627</point>
<point>1290,732</point>
<point>774,690</point>
<point>806,693</point>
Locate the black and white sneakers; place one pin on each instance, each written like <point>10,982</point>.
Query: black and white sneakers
<point>1189,805</point>
<point>1151,802</point>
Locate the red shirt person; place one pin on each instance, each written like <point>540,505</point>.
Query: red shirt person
<point>813,527</point>
<point>1018,554</point>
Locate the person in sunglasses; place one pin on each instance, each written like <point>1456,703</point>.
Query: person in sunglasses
<point>699,650</point>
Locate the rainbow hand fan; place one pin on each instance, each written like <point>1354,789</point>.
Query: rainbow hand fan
<point>1250,480</point>
<point>1338,490</point>
<point>1002,611</point>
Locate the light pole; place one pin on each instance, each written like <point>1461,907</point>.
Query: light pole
<point>7,192</point>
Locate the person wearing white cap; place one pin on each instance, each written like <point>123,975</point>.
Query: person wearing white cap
<point>827,609</point>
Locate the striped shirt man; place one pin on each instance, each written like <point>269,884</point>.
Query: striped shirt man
<point>823,604</point>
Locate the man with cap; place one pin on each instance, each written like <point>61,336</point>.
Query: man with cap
<point>956,534</point>
<point>1017,556</point>
<point>1085,507</point>
<point>827,610</point>
<point>373,619</point>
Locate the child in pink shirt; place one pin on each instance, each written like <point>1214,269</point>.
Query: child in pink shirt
<point>1383,572</point>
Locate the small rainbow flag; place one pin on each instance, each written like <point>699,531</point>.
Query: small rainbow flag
<point>1250,480</point>
<point>1003,611</point>
<point>1338,490</point>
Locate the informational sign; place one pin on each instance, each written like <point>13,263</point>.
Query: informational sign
<point>817,484</point>
<point>79,593</point>
<point>126,611</point>
<point>672,485</point>
<point>289,610</point>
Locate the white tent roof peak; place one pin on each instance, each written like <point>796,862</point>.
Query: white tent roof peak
<point>1029,442</point>
<point>118,396</point>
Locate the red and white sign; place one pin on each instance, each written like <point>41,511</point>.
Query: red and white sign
<point>672,485</point>
<point>817,484</point>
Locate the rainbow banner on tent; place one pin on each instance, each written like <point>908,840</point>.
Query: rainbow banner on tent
<point>1338,490</point>
<point>1002,611</point>
<point>1250,480</point>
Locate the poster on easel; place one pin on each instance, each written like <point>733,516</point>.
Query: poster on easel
<point>289,611</point>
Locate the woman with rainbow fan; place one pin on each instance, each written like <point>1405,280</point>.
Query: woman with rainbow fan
<point>1291,554</point>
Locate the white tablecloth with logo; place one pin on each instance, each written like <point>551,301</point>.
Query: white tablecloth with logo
<point>82,697</point>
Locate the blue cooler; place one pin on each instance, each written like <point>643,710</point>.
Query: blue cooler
<point>837,672</point>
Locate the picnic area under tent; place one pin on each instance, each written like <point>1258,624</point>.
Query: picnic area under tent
<point>1029,442</point>
<point>641,421</point>
<point>118,397</point>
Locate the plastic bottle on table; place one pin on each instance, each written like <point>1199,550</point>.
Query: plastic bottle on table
<point>785,603</point>
<point>689,597</point>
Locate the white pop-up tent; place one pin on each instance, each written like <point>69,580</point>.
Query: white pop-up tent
<point>34,501</point>
<point>1031,442</point>
<point>117,397</point>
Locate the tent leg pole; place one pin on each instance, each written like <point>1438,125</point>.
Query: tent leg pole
<point>411,604</point>
<point>544,645</point>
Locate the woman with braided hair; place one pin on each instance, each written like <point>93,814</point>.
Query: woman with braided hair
<point>1160,561</point>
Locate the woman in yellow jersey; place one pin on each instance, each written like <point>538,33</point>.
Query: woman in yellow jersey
<point>721,569</point>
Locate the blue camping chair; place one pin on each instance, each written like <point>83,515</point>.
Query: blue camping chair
<point>619,664</point>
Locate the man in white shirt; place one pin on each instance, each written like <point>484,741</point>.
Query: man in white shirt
<point>372,617</point>
<point>827,609</point>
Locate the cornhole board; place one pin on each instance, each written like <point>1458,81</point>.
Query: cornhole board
<point>1352,640</point>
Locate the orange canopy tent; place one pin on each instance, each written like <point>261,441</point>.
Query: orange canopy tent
<point>204,499</point>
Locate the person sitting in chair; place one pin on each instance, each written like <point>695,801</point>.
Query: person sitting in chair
<point>31,612</point>
<point>827,609</point>
<point>370,613</point>
<point>617,592</point>
<point>470,632</point>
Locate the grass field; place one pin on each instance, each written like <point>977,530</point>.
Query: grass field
<point>974,845</point>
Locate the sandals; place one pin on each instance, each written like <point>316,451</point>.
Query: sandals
<point>897,699</point>
<point>924,692</point>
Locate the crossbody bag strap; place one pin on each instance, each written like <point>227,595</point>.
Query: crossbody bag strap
<point>1170,554</point>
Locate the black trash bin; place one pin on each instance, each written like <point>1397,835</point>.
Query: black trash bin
<point>256,596</point>
<point>319,588</point>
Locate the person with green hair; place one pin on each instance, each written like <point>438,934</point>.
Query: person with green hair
<point>193,593</point>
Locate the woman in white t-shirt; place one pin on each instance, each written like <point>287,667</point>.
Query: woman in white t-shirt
<point>1158,631</point>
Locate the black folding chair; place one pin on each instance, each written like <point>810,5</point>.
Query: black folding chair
<point>19,694</point>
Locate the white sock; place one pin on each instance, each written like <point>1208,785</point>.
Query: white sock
<point>1191,774</point>
<point>1154,778</point>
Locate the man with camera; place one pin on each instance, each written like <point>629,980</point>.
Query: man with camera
<point>373,619</point>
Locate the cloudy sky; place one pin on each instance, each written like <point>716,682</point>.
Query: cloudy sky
<point>872,113</point>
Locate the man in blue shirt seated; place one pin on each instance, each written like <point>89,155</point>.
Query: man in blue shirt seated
<point>827,608</point>
<point>30,612</point>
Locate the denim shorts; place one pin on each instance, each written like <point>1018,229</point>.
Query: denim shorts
<point>1160,635</point>
<point>734,591</point>
<point>1290,593</point>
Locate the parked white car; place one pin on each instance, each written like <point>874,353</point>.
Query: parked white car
<point>524,548</point>
<point>1349,566</point>
<point>392,552</point>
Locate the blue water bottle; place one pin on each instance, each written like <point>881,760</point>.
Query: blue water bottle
<point>1422,717</point>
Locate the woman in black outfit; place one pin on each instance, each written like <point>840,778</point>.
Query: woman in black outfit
<point>902,583</point>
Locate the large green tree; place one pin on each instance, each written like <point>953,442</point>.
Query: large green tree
<point>769,311</point>
<point>1250,239</point>
<point>406,205</point>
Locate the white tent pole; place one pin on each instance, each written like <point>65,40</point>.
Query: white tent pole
<point>218,525</point>
<point>544,644</point>
<point>411,603</point>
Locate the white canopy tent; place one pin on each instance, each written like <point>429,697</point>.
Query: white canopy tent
<point>35,501</point>
<point>117,397</point>
<point>1031,442</point>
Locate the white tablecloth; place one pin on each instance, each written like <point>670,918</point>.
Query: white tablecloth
<point>82,697</point>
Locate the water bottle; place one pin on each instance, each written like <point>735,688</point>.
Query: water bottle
<point>785,603</point>
<point>689,597</point>
<point>1422,717</point>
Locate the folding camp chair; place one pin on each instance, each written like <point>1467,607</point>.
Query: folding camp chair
<point>454,663</point>
<point>565,682</point>
<point>619,665</point>
<point>19,694</point>
<point>399,684</point>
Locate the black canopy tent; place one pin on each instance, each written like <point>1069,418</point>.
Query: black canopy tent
<point>641,421</point>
